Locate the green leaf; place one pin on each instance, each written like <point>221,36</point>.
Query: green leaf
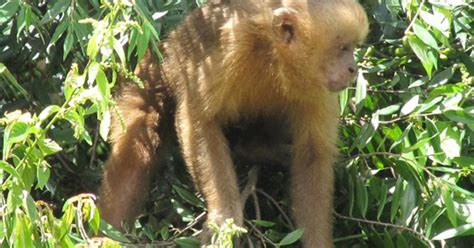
<point>67,218</point>
<point>158,15</point>
<point>93,46</point>
<point>48,146</point>
<point>68,42</point>
<point>113,233</point>
<point>408,202</point>
<point>367,132</point>
<point>437,20</point>
<point>387,241</point>
<point>401,241</point>
<point>263,223</point>
<point>389,110</point>
<point>105,125</point>
<point>442,77</point>
<point>382,199</point>
<point>426,106</point>
<point>142,43</point>
<point>60,30</point>
<point>452,101</point>
<point>463,161</point>
<point>18,132</point>
<point>14,197</point>
<point>94,220</point>
<point>11,80</point>
<point>104,88</point>
<point>57,9</point>
<point>361,88</point>
<point>343,99</point>
<point>8,9</point>
<point>421,51</point>
<point>42,174</point>
<point>92,71</point>
<point>455,232</point>
<point>362,197</point>
<point>459,115</point>
<point>425,35</point>
<point>30,207</point>
<point>132,42</point>
<point>350,187</point>
<point>449,204</point>
<point>21,21</point>
<point>185,242</point>
<point>152,30</point>
<point>48,111</point>
<point>22,231</point>
<point>185,213</point>
<point>188,196</point>
<point>399,187</point>
<point>119,50</point>
<point>11,170</point>
<point>292,237</point>
<point>450,142</point>
<point>410,105</point>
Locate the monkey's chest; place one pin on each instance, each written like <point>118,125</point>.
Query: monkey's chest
<point>251,102</point>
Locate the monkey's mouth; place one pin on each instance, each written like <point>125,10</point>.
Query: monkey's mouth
<point>336,86</point>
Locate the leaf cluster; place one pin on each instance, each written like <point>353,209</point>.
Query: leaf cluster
<point>404,176</point>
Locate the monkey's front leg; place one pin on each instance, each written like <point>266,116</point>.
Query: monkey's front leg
<point>207,156</point>
<point>312,181</point>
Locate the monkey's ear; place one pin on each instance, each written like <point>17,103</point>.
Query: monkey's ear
<point>284,21</point>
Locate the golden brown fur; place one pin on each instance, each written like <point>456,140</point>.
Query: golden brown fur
<point>281,60</point>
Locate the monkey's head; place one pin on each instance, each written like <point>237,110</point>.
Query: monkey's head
<point>315,42</point>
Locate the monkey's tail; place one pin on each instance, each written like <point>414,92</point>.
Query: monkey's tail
<point>135,141</point>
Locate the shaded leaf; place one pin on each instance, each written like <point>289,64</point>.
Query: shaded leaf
<point>292,237</point>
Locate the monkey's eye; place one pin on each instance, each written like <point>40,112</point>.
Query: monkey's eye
<point>345,48</point>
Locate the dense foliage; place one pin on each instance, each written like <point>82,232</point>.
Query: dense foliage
<point>404,178</point>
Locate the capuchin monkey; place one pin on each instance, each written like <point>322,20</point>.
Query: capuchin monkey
<point>282,61</point>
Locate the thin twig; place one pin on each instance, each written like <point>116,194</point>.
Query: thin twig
<point>64,163</point>
<point>249,242</point>
<point>258,215</point>
<point>250,186</point>
<point>383,91</point>
<point>378,223</point>
<point>192,224</point>
<point>285,216</point>
<point>94,145</point>
<point>260,234</point>
<point>415,16</point>
<point>407,117</point>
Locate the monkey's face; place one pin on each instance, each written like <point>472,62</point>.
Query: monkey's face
<point>319,41</point>
<point>341,68</point>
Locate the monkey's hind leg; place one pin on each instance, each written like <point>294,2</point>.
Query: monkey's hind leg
<point>128,170</point>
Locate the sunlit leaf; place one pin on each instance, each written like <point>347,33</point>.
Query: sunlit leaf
<point>450,143</point>
<point>8,9</point>
<point>361,88</point>
<point>425,35</point>
<point>449,204</point>
<point>421,51</point>
<point>68,42</point>
<point>42,174</point>
<point>454,232</point>
<point>410,105</point>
